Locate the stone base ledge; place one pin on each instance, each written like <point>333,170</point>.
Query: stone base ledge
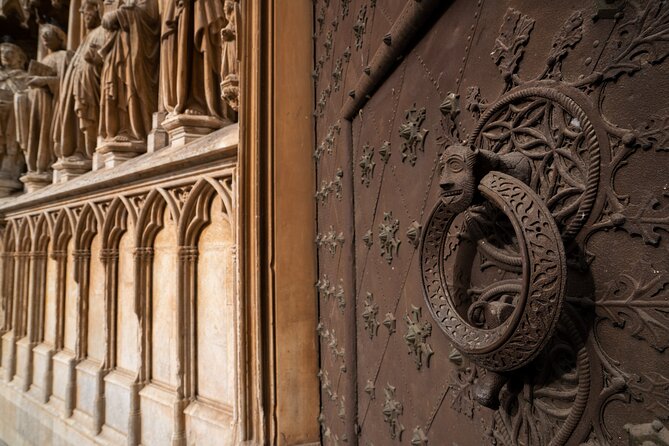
<point>26,421</point>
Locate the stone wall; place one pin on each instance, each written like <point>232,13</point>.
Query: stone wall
<point>123,299</point>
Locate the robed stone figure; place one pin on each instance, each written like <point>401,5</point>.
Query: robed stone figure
<point>230,54</point>
<point>129,79</point>
<point>190,58</point>
<point>79,106</point>
<point>44,84</point>
<point>13,86</point>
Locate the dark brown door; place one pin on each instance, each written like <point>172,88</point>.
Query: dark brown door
<point>493,209</point>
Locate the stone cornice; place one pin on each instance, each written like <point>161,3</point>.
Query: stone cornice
<point>172,161</point>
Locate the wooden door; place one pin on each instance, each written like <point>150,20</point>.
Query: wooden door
<point>492,194</point>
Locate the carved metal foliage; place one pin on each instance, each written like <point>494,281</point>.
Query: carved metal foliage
<point>568,36</point>
<point>476,105</point>
<point>323,100</point>
<point>334,186</point>
<point>360,26</point>
<point>392,410</point>
<point>510,45</point>
<point>413,134</point>
<point>331,240</point>
<point>369,313</point>
<point>643,219</point>
<point>337,74</point>
<point>390,245</point>
<point>641,306</point>
<point>367,165</point>
<point>651,390</point>
<point>345,6</point>
<point>325,288</point>
<point>416,338</point>
<point>641,39</point>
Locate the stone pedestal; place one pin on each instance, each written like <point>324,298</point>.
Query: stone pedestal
<point>113,153</point>
<point>62,397</point>
<point>160,407</point>
<point>89,401</point>
<point>67,168</point>
<point>34,181</point>
<point>40,387</point>
<point>8,355</point>
<point>230,91</point>
<point>158,137</point>
<point>24,360</point>
<point>209,425</point>
<point>120,395</point>
<point>186,128</point>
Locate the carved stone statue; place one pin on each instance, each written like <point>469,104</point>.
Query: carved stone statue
<point>13,85</point>
<point>230,54</point>
<point>44,92</point>
<point>76,128</point>
<point>129,78</point>
<point>190,49</point>
<point>190,57</point>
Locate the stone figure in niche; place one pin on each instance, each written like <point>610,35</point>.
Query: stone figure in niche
<point>13,86</point>
<point>76,128</point>
<point>44,83</point>
<point>230,54</point>
<point>129,78</point>
<point>190,53</point>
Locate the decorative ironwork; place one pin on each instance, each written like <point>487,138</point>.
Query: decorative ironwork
<point>387,230</point>
<point>360,26</point>
<point>392,410</point>
<point>416,338</point>
<point>367,165</point>
<point>369,313</point>
<point>412,134</point>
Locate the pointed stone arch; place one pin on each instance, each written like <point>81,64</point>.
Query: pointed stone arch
<point>195,214</point>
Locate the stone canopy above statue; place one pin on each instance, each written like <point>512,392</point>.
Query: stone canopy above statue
<point>123,78</point>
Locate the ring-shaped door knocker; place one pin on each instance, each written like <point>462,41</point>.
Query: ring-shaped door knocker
<point>527,310</point>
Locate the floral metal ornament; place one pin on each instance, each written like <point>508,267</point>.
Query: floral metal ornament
<point>412,134</point>
<point>387,230</point>
<point>371,310</point>
<point>416,338</point>
<point>360,26</point>
<point>392,409</point>
<point>367,164</point>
